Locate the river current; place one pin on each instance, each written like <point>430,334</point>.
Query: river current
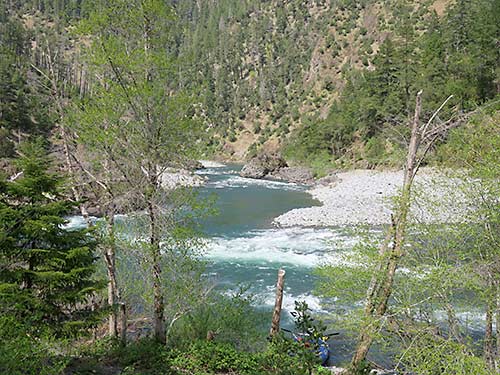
<point>245,249</point>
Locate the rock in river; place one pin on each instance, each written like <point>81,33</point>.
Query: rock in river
<point>299,175</point>
<point>262,165</point>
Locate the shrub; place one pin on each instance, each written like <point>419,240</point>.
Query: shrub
<point>22,354</point>
<point>232,318</point>
<point>211,357</point>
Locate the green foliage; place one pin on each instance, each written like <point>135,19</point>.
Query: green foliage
<point>232,319</point>
<point>23,354</point>
<point>198,357</point>
<point>46,271</point>
<point>278,360</point>
<point>145,355</point>
<point>475,146</point>
<point>205,357</point>
<point>431,355</point>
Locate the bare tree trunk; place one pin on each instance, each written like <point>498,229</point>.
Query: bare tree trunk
<point>123,324</point>
<point>391,251</point>
<point>110,259</point>
<point>113,316</point>
<point>158,299</point>
<point>275,323</point>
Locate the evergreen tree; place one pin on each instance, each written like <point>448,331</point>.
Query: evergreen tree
<point>22,112</point>
<point>46,271</point>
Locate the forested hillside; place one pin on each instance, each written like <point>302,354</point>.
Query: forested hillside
<point>330,80</point>
<point>325,82</point>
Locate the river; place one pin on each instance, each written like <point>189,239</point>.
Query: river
<point>245,248</point>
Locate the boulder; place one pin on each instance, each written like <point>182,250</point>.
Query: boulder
<point>173,178</point>
<point>253,169</point>
<point>299,175</point>
<point>262,165</point>
<point>329,179</point>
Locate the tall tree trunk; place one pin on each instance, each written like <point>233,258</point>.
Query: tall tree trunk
<point>390,253</point>
<point>158,302</point>
<point>114,297</point>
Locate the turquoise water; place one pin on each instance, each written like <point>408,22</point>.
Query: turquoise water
<point>246,248</point>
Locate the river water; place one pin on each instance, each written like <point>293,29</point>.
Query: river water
<point>246,248</point>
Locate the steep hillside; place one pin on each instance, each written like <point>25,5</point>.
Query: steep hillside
<point>324,82</point>
<point>265,66</point>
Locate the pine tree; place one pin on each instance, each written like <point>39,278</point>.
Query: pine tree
<point>46,271</point>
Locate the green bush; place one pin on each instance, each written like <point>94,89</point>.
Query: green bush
<point>374,151</point>
<point>276,359</point>
<point>208,357</point>
<point>232,319</point>
<point>431,355</point>
<point>22,354</point>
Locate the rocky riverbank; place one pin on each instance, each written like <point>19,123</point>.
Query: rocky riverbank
<point>172,178</point>
<point>364,197</point>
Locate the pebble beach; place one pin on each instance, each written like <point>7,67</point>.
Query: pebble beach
<point>365,197</point>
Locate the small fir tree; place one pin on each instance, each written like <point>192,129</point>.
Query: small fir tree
<point>46,270</point>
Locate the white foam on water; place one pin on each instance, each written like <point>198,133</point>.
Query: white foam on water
<point>77,222</point>
<point>472,317</point>
<point>211,164</point>
<point>268,299</point>
<point>306,247</point>
<point>214,172</point>
<point>242,182</point>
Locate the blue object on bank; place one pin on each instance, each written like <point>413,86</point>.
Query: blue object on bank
<point>323,351</point>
